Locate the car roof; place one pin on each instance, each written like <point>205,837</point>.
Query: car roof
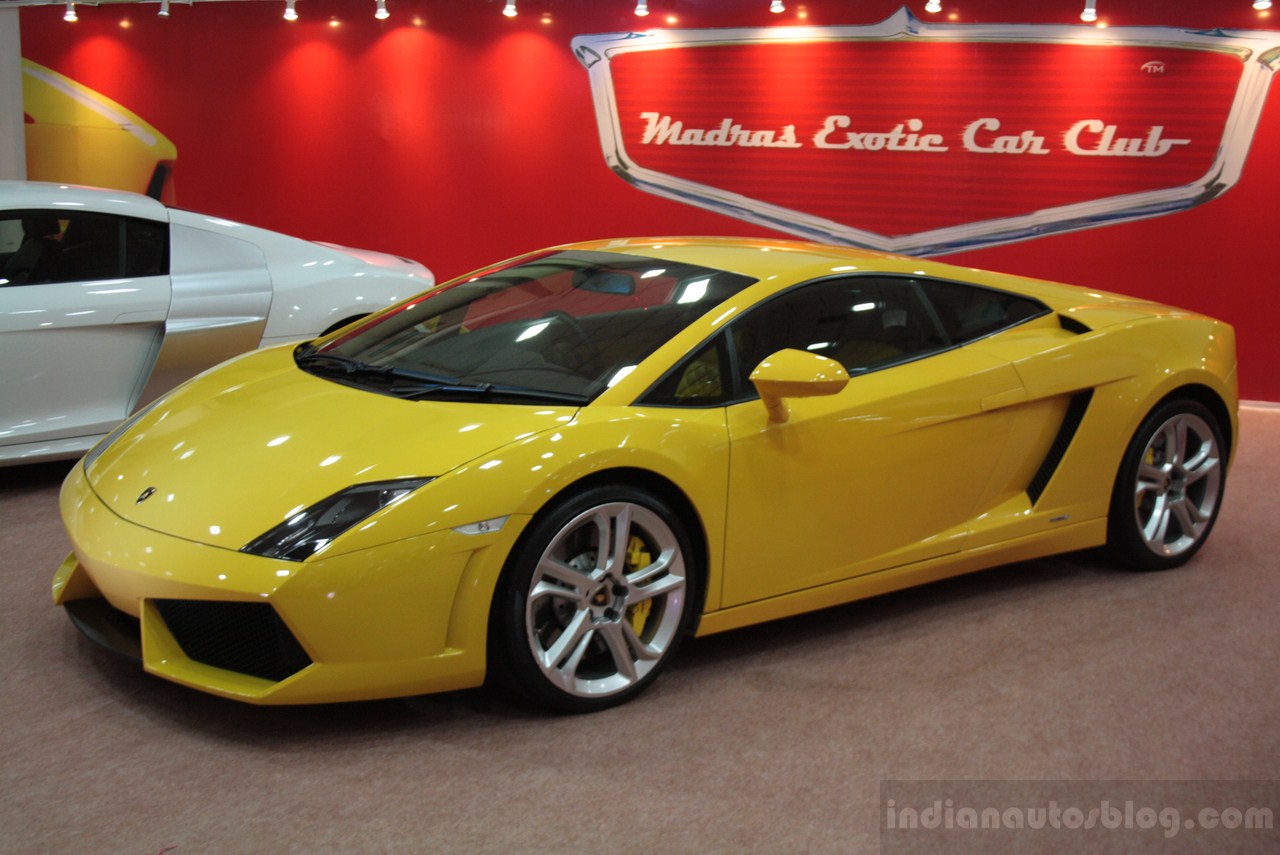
<point>43,194</point>
<point>756,257</point>
<point>789,261</point>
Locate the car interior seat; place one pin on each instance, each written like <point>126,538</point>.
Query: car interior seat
<point>37,256</point>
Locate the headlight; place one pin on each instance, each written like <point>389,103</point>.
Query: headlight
<point>306,532</point>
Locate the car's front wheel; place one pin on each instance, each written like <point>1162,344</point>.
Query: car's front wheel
<point>1170,487</point>
<point>594,600</point>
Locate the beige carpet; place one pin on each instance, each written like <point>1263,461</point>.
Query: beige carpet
<point>774,739</point>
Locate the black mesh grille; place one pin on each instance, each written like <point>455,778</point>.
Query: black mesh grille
<point>1070,423</point>
<point>249,638</point>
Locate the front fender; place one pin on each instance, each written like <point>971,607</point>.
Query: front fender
<point>511,484</point>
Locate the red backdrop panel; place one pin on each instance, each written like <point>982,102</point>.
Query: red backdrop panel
<point>453,135</point>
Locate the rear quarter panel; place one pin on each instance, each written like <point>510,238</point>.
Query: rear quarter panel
<point>1131,366</point>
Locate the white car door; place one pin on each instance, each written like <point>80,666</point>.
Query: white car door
<point>83,300</point>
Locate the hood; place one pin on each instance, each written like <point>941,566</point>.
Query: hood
<point>245,446</point>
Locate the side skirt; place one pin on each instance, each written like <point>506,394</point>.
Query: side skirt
<point>1081,535</point>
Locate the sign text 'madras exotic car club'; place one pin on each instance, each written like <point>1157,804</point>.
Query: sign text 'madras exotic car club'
<point>930,138</point>
<point>1089,137</point>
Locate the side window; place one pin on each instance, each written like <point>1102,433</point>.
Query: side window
<point>862,322</point>
<point>90,248</point>
<point>969,312</point>
<point>39,247</point>
<point>699,381</point>
<point>30,246</point>
<point>146,248</point>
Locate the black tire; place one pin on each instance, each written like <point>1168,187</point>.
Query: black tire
<point>1169,488</point>
<point>576,630</point>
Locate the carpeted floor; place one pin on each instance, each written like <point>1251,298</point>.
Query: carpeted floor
<point>774,739</point>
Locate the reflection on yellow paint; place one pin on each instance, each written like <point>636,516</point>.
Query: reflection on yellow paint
<point>79,136</point>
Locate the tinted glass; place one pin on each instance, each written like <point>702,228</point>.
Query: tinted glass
<point>565,324</point>
<point>861,322</point>
<point>42,247</point>
<point>699,381</point>
<point>968,312</point>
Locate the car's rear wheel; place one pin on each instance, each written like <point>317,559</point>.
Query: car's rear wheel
<point>1170,487</point>
<point>594,601</point>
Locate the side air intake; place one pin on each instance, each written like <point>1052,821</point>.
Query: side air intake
<point>1066,432</point>
<point>1071,325</point>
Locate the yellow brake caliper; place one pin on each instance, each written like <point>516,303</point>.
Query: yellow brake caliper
<point>637,557</point>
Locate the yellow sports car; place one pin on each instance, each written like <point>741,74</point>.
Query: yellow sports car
<point>546,473</point>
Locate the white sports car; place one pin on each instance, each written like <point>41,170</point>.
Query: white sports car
<point>108,298</point>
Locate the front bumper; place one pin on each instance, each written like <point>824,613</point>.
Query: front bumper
<point>408,617</point>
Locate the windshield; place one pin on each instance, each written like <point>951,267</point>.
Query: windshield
<point>560,326</point>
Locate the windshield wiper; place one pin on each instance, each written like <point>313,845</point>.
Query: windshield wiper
<point>423,384</point>
<point>486,390</point>
<point>345,365</point>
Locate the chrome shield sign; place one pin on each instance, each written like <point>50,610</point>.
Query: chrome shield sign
<point>926,139</point>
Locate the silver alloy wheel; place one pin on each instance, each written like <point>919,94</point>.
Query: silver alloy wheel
<point>1178,486</point>
<point>606,600</point>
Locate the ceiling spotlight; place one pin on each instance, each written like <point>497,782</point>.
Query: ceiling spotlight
<point>510,9</point>
<point>1261,5</point>
<point>642,8</point>
<point>290,13</point>
<point>1090,13</point>
<point>164,9</point>
<point>70,14</point>
<point>382,14</point>
<point>934,6</point>
<point>777,7</point>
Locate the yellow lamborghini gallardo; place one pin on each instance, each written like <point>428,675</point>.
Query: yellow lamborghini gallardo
<point>546,473</point>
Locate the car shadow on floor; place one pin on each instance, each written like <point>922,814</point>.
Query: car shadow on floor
<point>33,477</point>
<point>699,660</point>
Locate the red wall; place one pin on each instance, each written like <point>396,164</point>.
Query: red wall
<point>456,136</point>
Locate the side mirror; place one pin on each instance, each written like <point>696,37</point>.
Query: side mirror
<point>795,374</point>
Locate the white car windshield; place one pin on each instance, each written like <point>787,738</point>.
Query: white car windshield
<point>554,326</point>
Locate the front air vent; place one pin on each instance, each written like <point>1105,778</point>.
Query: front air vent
<point>248,638</point>
<point>1066,432</point>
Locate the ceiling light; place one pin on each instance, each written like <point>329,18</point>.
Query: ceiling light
<point>777,6</point>
<point>382,14</point>
<point>642,8</point>
<point>164,9</point>
<point>70,14</point>
<point>1090,13</point>
<point>290,13</point>
<point>510,9</point>
<point>933,6</point>
<point>1261,5</point>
